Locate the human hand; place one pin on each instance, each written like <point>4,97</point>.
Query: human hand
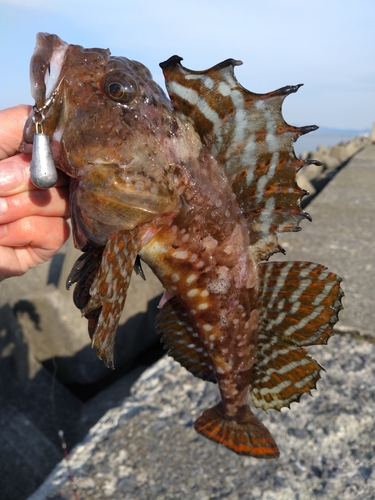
<point>33,223</point>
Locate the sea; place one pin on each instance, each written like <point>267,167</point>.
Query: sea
<point>311,141</point>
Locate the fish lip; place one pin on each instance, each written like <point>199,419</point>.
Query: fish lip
<point>45,65</point>
<point>45,72</point>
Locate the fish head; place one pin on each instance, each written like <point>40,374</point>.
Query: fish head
<point>111,129</point>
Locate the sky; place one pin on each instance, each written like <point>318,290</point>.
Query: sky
<point>329,45</point>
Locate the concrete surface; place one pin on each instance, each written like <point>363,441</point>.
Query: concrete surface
<point>342,235</point>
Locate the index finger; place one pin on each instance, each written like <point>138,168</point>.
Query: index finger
<point>12,121</point>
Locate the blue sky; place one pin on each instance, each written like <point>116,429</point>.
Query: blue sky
<point>329,45</point>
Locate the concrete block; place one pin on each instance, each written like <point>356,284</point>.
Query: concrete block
<point>342,153</point>
<point>26,457</point>
<point>304,183</point>
<point>372,136</point>
<point>310,171</point>
<point>54,329</point>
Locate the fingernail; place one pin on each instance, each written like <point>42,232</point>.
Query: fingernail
<point>10,175</point>
<point>3,206</point>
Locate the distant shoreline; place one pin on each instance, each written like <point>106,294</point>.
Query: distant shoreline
<point>327,137</point>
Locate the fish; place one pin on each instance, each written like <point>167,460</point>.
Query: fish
<point>198,186</point>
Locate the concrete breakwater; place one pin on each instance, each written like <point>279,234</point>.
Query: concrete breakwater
<point>313,178</point>
<point>145,446</point>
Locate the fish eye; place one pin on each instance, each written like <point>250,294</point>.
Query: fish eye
<point>116,91</point>
<point>119,87</point>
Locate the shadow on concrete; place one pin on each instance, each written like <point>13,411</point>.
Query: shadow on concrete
<point>14,352</point>
<point>137,344</point>
<point>321,182</point>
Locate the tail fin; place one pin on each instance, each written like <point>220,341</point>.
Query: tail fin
<point>246,436</point>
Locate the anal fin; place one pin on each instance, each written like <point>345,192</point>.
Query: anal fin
<point>180,338</point>
<point>299,304</point>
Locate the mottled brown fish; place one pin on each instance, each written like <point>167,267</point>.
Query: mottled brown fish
<point>198,188</point>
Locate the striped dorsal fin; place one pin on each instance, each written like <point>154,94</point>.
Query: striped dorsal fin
<point>299,305</point>
<point>181,339</point>
<point>250,140</point>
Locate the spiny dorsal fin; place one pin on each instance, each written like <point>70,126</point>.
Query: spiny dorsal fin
<point>249,138</point>
<point>299,305</point>
<point>181,340</point>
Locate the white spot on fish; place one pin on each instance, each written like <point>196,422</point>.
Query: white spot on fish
<point>209,242</point>
<point>180,254</point>
<point>175,277</point>
<point>207,327</point>
<point>202,306</point>
<point>191,278</point>
<point>193,292</point>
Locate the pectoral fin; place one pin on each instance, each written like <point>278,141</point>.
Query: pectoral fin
<point>102,277</point>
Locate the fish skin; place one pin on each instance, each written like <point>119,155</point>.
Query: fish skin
<point>208,267</point>
<point>166,183</point>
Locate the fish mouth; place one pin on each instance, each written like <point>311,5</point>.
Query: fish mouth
<point>45,66</point>
<point>45,70</point>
